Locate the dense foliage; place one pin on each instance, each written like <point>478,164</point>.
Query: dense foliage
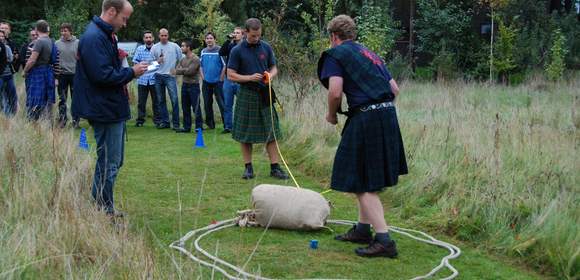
<point>448,38</point>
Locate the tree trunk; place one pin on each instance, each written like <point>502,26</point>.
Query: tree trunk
<point>491,49</point>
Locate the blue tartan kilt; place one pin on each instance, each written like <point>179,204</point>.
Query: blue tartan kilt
<point>40,89</point>
<point>370,155</point>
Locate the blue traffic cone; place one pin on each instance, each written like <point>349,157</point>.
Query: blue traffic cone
<point>83,144</point>
<point>199,139</point>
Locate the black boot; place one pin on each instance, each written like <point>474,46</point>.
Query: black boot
<point>352,235</point>
<point>277,172</point>
<point>377,249</point>
<point>248,172</point>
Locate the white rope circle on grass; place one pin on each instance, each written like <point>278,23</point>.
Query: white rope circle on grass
<point>179,245</point>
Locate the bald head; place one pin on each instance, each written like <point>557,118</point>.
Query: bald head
<point>163,36</point>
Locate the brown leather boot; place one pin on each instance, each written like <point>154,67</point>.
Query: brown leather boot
<point>354,236</point>
<point>376,249</point>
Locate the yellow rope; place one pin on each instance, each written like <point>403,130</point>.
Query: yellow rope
<point>274,130</point>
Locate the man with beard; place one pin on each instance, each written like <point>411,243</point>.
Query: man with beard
<point>146,83</point>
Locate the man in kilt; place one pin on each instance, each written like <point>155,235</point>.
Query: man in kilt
<point>39,74</point>
<point>370,156</point>
<point>248,64</point>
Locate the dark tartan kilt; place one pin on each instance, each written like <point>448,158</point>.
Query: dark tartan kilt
<point>370,155</point>
<point>40,89</point>
<point>252,119</point>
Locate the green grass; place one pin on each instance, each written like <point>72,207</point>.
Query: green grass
<point>168,188</point>
<point>164,173</point>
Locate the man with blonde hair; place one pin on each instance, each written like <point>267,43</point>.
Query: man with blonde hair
<point>370,156</point>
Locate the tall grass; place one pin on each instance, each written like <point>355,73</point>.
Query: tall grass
<point>48,226</point>
<point>493,165</point>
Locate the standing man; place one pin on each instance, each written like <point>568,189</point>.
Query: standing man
<point>7,28</point>
<point>25,49</point>
<point>39,74</point>
<point>67,47</point>
<point>146,83</point>
<point>230,88</point>
<point>8,96</point>
<point>167,55</point>
<point>248,63</point>
<point>212,73</point>
<point>100,97</point>
<point>189,68</point>
<point>370,156</point>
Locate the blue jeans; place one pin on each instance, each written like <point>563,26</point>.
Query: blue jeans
<point>230,90</point>
<point>110,150</point>
<point>8,97</point>
<point>209,90</point>
<point>190,99</point>
<point>161,82</point>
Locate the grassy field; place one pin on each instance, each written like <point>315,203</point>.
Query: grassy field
<point>467,171</point>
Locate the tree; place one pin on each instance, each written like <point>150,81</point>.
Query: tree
<point>376,29</point>
<point>202,17</point>
<point>555,67</point>
<point>504,57</point>
<point>493,6</point>
<point>441,31</point>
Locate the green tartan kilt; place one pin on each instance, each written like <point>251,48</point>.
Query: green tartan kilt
<point>252,119</point>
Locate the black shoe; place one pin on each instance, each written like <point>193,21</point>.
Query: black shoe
<point>162,126</point>
<point>354,236</point>
<point>278,173</point>
<point>183,130</point>
<point>248,173</point>
<point>376,249</point>
<point>138,124</point>
<point>75,124</point>
<point>226,131</point>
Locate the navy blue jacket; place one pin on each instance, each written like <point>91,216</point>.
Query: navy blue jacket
<point>99,77</point>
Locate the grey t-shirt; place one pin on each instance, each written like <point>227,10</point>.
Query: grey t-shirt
<point>171,56</point>
<point>43,46</point>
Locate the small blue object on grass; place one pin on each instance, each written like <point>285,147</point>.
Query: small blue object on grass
<point>314,244</point>
<point>199,139</point>
<point>83,144</point>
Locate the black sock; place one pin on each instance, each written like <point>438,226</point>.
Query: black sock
<point>274,166</point>
<point>363,228</point>
<point>383,237</point>
<point>249,165</point>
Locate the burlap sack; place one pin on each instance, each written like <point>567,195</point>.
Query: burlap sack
<point>289,207</point>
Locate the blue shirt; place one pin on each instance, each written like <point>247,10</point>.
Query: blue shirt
<point>211,64</point>
<point>142,54</point>
<point>354,95</point>
<point>249,59</point>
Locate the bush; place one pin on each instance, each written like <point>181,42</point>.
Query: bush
<point>503,61</point>
<point>400,68</point>
<point>376,29</point>
<point>442,29</point>
<point>555,67</point>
